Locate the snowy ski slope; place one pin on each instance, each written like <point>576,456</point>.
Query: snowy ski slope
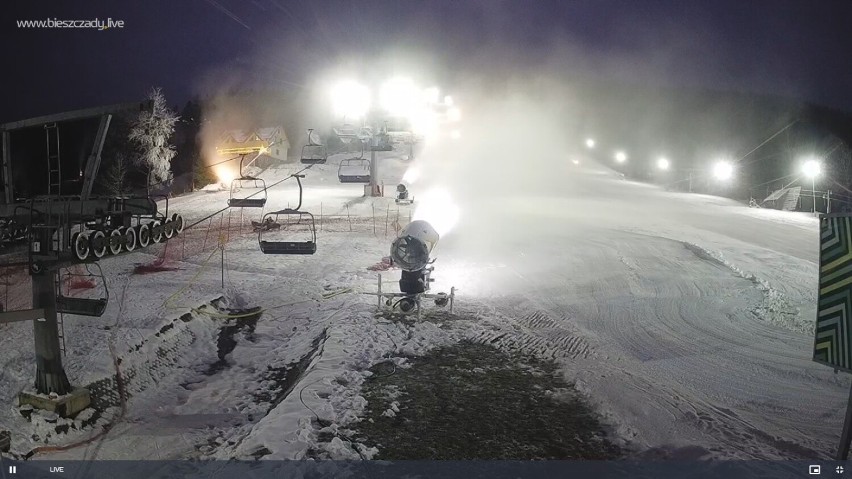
<point>685,318</point>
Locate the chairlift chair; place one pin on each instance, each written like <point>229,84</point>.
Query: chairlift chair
<point>83,306</point>
<point>247,182</point>
<point>308,246</point>
<point>354,170</point>
<point>314,152</point>
<point>346,133</point>
<point>272,227</point>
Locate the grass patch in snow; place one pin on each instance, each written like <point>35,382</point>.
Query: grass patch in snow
<point>472,401</point>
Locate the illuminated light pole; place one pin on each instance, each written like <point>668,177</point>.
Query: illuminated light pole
<point>620,156</point>
<point>590,143</point>
<point>663,163</point>
<point>812,168</point>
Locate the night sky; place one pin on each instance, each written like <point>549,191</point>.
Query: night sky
<point>797,49</point>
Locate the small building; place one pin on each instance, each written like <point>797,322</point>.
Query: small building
<point>271,142</point>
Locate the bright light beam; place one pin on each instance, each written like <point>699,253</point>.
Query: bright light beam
<point>431,95</point>
<point>350,99</point>
<point>663,163</point>
<point>811,168</point>
<point>723,170</point>
<point>399,96</point>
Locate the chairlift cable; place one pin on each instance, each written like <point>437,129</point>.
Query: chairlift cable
<point>249,196</point>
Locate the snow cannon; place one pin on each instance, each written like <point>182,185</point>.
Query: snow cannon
<point>411,251</point>
<point>403,196</point>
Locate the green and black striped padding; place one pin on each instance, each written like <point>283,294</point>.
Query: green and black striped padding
<point>832,342</point>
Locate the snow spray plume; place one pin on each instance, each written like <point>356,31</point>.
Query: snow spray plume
<point>231,103</point>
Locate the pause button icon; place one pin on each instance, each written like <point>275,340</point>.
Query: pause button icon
<point>13,469</point>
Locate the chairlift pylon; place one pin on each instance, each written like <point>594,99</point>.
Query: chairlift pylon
<point>314,152</point>
<point>271,225</point>
<point>254,200</point>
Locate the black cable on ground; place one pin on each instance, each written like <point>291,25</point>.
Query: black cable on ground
<point>319,421</point>
<point>393,371</point>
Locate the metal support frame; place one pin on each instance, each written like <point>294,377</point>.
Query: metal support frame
<point>416,297</point>
<point>22,315</point>
<point>50,375</point>
<point>57,215</point>
<point>54,161</point>
<point>83,209</point>
<point>7,169</point>
<point>105,112</point>
<point>374,169</point>
<point>94,162</point>
<point>77,115</point>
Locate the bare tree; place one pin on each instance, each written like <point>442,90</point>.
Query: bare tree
<point>151,132</point>
<point>115,181</point>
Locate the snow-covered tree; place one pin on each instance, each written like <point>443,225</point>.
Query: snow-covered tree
<point>150,132</point>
